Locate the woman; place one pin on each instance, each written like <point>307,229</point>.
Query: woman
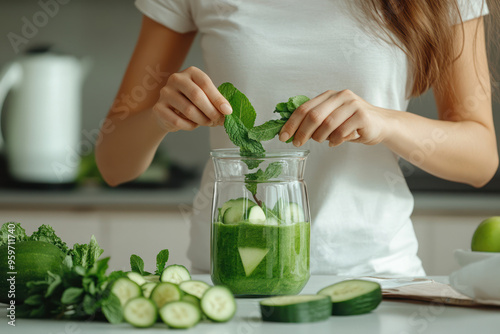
<point>360,62</point>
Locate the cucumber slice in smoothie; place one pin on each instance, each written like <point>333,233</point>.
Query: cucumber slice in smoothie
<point>256,215</point>
<point>289,213</point>
<point>251,257</point>
<point>241,203</point>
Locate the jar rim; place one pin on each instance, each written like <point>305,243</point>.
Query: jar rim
<point>271,153</point>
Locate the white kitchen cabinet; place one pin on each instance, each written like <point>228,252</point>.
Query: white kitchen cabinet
<point>440,235</point>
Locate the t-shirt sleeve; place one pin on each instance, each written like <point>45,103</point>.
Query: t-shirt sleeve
<point>471,9</point>
<point>174,14</point>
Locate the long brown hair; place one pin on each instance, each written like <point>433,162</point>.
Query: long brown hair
<point>424,30</point>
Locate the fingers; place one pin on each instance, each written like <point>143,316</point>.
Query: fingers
<point>189,110</point>
<point>203,81</point>
<point>348,131</point>
<point>171,119</point>
<point>298,116</point>
<point>333,121</point>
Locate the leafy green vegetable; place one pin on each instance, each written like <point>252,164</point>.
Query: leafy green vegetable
<point>296,101</point>
<point>161,260</point>
<point>14,230</point>
<point>252,179</point>
<point>87,254</point>
<point>136,264</point>
<point>78,293</point>
<point>242,108</point>
<point>266,131</point>
<point>238,134</point>
<point>46,233</point>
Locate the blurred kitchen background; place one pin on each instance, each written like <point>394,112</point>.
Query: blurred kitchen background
<point>104,33</point>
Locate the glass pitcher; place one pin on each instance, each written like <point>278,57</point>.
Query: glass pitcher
<point>260,222</point>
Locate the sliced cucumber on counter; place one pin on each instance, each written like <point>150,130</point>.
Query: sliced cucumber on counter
<point>353,297</point>
<point>165,292</point>
<point>147,288</point>
<point>180,314</point>
<point>175,273</point>
<point>191,299</point>
<point>302,308</point>
<point>218,304</point>
<point>140,312</point>
<point>195,288</point>
<point>125,289</point>
<point>256,215</point>
<point>152,278</point>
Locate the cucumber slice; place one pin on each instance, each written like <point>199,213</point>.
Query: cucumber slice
<point>175,273</point>
<point>136,277</point>
<point>180,314</point>
<point>303,308</point>
<point>218,304</point>
<point>195,288</point>
<point>251,257</point>
<point>256,215</point>
<point>353,297</point>
<point>289,213</point>
<point>140,312</point>
<point>235,210</point>
<point>126,289</point>
<point>241,202</point>
<point>165,292</point>
<point>152,278</point>
<point>271,221</point>
<point>191,299</point>
<point>147,288</point>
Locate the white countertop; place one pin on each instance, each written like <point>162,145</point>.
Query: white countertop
<point>389,317</point>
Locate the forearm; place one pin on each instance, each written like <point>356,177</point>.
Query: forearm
<point>127,146</point>
<point>457,151</point>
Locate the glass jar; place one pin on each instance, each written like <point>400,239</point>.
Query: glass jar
<point>260,222</point>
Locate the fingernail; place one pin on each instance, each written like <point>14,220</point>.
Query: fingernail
<point>284,136</point>
<point>226,108</point>
<point>296,143</point>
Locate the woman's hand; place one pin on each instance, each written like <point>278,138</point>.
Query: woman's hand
<point>337,117</point>
<point>189,100</point>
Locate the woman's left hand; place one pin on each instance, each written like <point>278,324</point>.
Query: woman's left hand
<point>337,117</point>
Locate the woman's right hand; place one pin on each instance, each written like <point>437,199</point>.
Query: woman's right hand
<point>189,100</point>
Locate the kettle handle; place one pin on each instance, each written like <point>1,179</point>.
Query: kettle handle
<point>10,76</point>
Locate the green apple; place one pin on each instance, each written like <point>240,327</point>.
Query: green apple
<point>486,238</point>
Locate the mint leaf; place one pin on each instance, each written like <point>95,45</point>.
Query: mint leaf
<point>252,163</point>
<point>112,309</point>
<point>295,102</point>
<point>46,233</point>
<point>273,170</point>
<point>71,295</point>
<point>281,107</point>
<point>14,230</point>
<point>136,264</point>
<point>266,131</point>
<point>242,108</point>
<point>252,179</point>
<point>285,115</point>
<point>238,134</point>
<point>161,260</point>
<point>252,188</point>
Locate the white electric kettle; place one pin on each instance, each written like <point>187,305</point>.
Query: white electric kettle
<point>42,117</point>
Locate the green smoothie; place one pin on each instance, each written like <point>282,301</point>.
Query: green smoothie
<point>260,259</point>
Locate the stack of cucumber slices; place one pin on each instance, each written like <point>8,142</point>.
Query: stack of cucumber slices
<point>350,297</point>
<point>172,297</point>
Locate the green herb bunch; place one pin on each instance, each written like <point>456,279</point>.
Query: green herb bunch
<point>241,131</point>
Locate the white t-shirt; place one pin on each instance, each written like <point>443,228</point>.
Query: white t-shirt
<point>271,50</point>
